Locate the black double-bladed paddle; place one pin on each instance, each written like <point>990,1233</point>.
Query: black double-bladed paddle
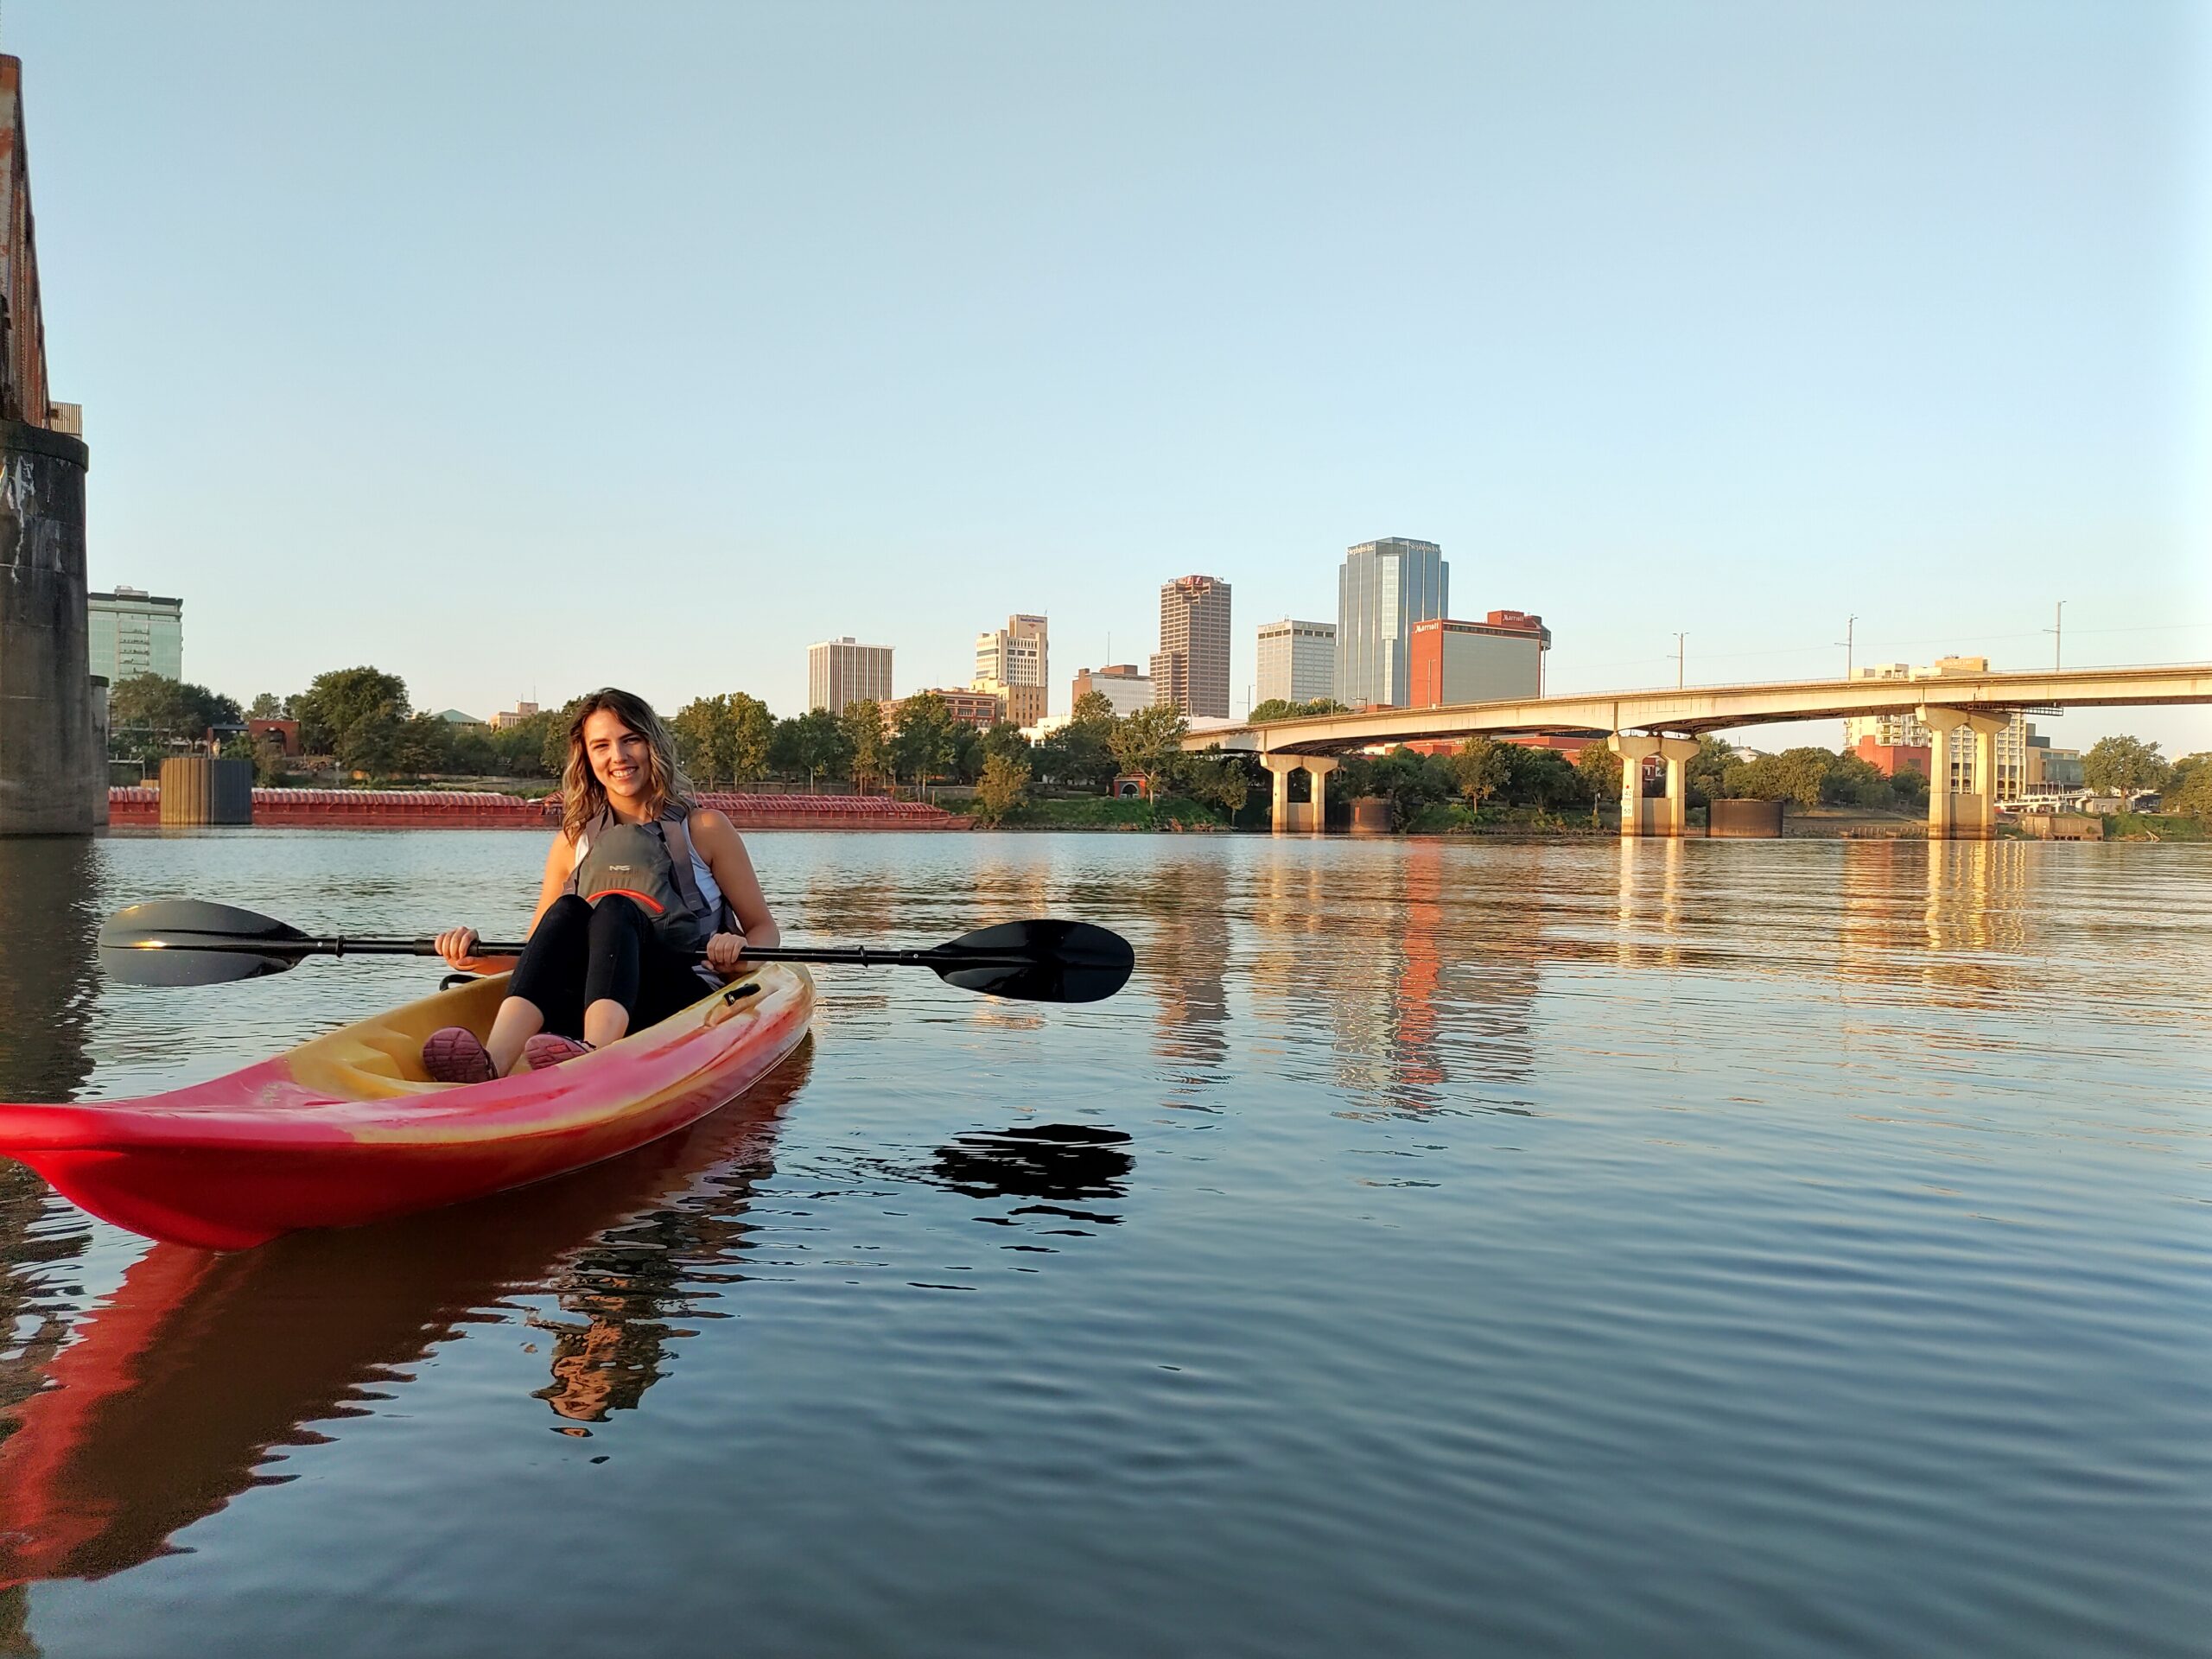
<point>190,942</point>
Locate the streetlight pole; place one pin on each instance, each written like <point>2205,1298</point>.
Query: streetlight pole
<point>1850,632</point>
<point>1678,659</point>
<point>2057,631</point>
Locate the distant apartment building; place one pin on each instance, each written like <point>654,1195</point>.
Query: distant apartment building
<point>1892,742</point>
<point>843,670</point>
<point>1297,661</point>
<point>133,632</point>
<point>1499,658</point>
<point>1120,684</point>
<point>1383,587</point>
<point>513,716</point>
<point>982,709</point>
<point>1189,671</point>
<point>1011,664</point>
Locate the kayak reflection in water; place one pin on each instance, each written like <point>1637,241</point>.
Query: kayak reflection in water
<point>195,1380</point>
<point>638,879</point>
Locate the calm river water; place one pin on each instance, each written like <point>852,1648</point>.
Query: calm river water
<point>1763,1248</point>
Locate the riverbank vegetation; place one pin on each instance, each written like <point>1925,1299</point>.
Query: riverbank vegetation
<point>359,724</point>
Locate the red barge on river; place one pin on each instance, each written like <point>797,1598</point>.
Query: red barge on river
<point>433,808</point>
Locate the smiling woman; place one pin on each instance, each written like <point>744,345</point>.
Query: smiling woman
<point>638,879</point>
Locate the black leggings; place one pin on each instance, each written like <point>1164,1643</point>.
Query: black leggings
<point>582,953</point>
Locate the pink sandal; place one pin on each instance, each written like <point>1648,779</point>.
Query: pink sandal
<point>545,1049</point>
<point>456,1055</point>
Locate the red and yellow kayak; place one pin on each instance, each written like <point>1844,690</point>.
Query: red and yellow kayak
<point>346,1128</point>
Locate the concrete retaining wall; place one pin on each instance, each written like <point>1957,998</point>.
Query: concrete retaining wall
<point>1743,820</point>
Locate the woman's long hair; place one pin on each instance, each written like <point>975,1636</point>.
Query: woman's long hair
<point>583,797</point>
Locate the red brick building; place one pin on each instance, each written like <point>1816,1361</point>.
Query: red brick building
<point>1887,758</point>
<point>982,709</point>
<point>284,736</point>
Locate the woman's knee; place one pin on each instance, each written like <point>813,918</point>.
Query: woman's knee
<point>568,910</point>
<point>615,913</point>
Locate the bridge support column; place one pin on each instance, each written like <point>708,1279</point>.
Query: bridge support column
<point>1678,753</point>
<point>1965,814</point>
<point>51,773</point>
<point>1317,767</point>
<point>1279,766</point>
<point>1635,817</point>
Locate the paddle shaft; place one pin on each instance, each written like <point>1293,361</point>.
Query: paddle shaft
<point>859,955</point>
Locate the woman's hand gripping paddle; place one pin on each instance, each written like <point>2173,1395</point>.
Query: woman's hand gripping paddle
<point>189,942</point>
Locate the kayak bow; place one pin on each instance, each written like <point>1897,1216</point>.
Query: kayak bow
<point>346,1128</point>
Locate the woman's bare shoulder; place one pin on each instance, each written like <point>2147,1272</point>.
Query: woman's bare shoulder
<point>706,823</point>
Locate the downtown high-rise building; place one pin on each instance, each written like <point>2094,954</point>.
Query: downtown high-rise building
<point>1383,589</point>
<point>130,632</point>
<point>1011,663</point>
<point>839,671</point>
<point>1297,661</point>
<point>1190,670</point>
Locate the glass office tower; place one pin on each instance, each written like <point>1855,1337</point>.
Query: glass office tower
<point>1383,589</point>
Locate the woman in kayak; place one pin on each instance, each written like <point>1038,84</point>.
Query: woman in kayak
<point>638,879</point>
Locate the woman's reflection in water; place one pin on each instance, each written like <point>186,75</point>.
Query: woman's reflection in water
<point>201,1365</point>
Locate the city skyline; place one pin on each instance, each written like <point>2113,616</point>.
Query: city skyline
<point>1939,377</point>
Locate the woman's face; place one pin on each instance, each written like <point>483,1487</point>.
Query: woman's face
<point>620,758</point>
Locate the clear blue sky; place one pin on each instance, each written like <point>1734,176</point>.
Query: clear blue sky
<point>534,345</point>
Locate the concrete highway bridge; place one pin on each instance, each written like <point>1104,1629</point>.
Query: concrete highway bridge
<point>1958,709</point>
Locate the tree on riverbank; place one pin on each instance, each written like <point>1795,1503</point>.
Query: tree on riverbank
<point>2124,766</point>
<point>1146,743</point>
<point>1003,786</point>
<point>1809,777</point>
<point>927,741</point>
<point>2189,786</point>
<point>862,723</point>
<point>148,712</point>
<point>336,701</point>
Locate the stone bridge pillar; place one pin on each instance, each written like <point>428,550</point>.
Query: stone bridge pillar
<point>50,766</point>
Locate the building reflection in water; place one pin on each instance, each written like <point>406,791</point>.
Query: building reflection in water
<point>1189,965</point>
<point>1419,960</point>
<point>202,1368</point>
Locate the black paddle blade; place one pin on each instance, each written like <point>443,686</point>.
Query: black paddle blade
<point>189,942</point>
<point>1038,962</point>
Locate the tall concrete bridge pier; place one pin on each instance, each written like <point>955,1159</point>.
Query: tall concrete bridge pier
<point>53,771</point>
